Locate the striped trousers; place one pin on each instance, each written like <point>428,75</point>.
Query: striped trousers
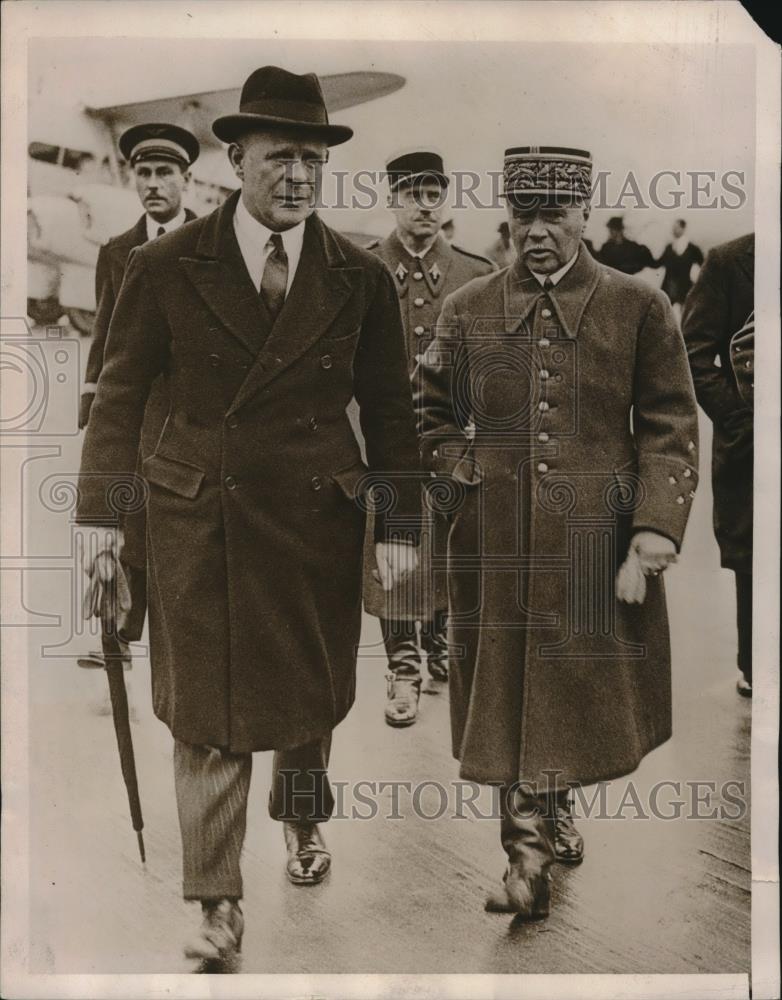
<point>211,792</point>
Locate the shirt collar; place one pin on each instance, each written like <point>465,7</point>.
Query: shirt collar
<point>153,225</point>
<point>557,275</point>
<point>420,254</point>
<point>250,229</point>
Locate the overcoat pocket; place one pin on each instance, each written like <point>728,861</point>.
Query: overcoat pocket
<point>172,474</point>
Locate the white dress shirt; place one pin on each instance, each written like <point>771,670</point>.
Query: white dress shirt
<point>557,276</point>
<point>153,225</point>
<point>253,239</point>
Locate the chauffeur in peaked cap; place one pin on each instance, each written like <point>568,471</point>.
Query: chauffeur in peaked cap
<point>576,484</point>
<point>426,268</point>
<point>267,324</point>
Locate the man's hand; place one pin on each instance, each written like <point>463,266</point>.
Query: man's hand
<point>655,552</point>
<point>394,561</point>
<point>107,595</point>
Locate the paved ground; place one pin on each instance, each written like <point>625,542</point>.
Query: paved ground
<point>405,895</point>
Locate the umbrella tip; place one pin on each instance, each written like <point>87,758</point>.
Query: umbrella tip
<point>141,850</point>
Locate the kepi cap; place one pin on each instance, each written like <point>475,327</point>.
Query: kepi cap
<point>159,141</point>
<point>556,173</point>
<point>416,167</point>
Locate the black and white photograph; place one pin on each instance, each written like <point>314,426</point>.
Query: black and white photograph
<point>390,544</point>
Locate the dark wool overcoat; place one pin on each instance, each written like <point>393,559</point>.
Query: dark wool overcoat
<point>718,306</point>
<point>254,536</point>
<point>585,431</point>
<point>423,284</point>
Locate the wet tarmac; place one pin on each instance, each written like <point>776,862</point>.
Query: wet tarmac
<point>405,894</point>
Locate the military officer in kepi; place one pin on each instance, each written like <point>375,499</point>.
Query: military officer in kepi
<point>577,482</point>
<point>426,268</point>
<point>160,156</point>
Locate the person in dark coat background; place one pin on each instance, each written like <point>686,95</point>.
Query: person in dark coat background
<point>679,258</point>
<point>718,306</point>
<point>622,254</point>
<point>583,463</point>
<point>426,268</point>
<point>265,323</point>
<point>160,156</point>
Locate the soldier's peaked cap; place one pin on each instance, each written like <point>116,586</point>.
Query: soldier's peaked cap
<point>416,167</point>
<point>274,99</point>
<point>547,172</point>
<point>159,141</point>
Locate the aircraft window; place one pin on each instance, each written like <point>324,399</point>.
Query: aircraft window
<point>43,151</point>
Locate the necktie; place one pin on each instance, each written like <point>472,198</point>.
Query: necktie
<point>548,284</point>
<point>160,231</point>
<point>274,282</point>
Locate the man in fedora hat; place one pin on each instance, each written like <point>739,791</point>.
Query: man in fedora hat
<point>582,460</point>
<point>426,268</point>
<point>621,253</point>
<point>160,156</point>
<point>266,324</point>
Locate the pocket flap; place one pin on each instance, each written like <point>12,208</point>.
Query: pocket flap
<point>348,480</point>
<point>178,477</point>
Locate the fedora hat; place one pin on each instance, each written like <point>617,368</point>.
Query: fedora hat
<point>272,98</point>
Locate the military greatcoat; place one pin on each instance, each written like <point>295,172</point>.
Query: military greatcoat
<point>585,432</point>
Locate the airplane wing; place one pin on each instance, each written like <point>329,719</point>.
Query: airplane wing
<point>196,112</point>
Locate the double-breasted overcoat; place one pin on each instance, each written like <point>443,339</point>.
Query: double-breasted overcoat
<point>585,431</point>
<point>254,533</point>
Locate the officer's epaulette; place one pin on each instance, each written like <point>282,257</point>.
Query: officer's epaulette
<point>373,245</point>
<point>475,256</point>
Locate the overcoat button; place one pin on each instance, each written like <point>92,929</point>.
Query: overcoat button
<point>418,275</point>
<point>543,437</point>
<point>418,302</point>
<point>543,406</point>
<point>325,361</point>
<point>557,377</point>
<point>232,422</point>
<point>316,482</point>
<point>544,342</point>
<point>418,330</point>
<point>543,374</point>
<point>679,499</point>
<point>542,467</point>
<point>546,313</point>
<point>672,480</point>
<point>687,473</point>
<point>214,360</point>
<point>230,483</point>
<point>313,424</point>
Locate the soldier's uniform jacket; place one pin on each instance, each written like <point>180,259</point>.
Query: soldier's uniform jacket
<point>585,431</point>
<point>422,285</point>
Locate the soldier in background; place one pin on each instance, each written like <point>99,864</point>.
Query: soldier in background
<point>426,268</point>
<point>501,251</point>
<point>679,258</point>
<point>160,157</point>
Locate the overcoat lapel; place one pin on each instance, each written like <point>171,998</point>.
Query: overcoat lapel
<point>322,286</point>
<point>219,275</point>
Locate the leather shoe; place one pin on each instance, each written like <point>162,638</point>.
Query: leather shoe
<point>528,896</point>
<point>402,704</point>
<point>220,934</point>
<point>568,842</point>
<point>309,860</point>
